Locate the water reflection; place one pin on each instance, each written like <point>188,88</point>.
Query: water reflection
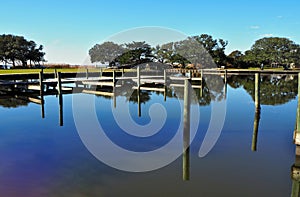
<point>186,168</point>
<point>257,112</point>
<point>276,89</point>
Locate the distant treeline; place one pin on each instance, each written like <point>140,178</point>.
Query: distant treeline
<point>200,52</point>
<point>194,52</point>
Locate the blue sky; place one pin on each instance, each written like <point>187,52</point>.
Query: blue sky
<point>69,28</point>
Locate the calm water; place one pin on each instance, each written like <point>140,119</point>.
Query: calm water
<point>41,158</point>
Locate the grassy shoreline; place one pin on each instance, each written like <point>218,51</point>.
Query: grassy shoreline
<point>72,70</point>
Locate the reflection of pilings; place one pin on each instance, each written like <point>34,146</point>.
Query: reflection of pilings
<point>297,131</point>
<point>255,130</point>
<point>186,132</point>
<point>114,96</point>
<point>225,84</point>
<point>41,78</point>
<point>257,112</point>
<point>165,93</point>
<point>139,102</point>
<point>60,99</point>
<point>61,119</point>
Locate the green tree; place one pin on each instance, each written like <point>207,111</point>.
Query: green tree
<point>215,47</point>
<point>273,50</point>
<point>135,53</point>
<point>236,59</point>
<point>17,49</point>
<point>105,52</point>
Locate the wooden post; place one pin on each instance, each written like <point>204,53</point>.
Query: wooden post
<point>59,89</point>
<point>186,132</point>
<point>122,71</point>
<point>295,188</point>
<point>201,76</point>
<point>100,75</point>
<point>165,77</point>
<point>257,90</point>
<point>114,77</point>
<point>41,83</point>
<point>138,76</point>
<point>297,131</point>
<point>87,73</point>
<point>295,171</point>
<point>298,107</point>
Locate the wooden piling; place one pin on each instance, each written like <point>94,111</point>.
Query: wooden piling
<point>114,77</point>
<point>297,131</point>
<point>186,132</point>
<point>87,73</point>
<point>165,77</point>
<point>298,106</point>
<point>138,76</point>
<point>257,90</point>
<point>295,188</point>
<point>100,74</point>
<point>59,89</point>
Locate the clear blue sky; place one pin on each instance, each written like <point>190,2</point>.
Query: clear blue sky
<point>69,28</point>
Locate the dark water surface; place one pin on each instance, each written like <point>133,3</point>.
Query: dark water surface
<point>41,158</point>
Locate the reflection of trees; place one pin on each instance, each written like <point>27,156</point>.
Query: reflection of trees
<point>144,96</point>
<point>12,102</point>
<point>274,89</point>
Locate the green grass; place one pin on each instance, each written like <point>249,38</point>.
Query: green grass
<point>48,70</point>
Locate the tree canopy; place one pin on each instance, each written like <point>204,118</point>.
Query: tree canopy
<point>273,50</point>
<point>201,51</point>
<point>105,52</point>
<point>15,49</point>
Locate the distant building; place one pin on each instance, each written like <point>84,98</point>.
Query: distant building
<point>100,64</point>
